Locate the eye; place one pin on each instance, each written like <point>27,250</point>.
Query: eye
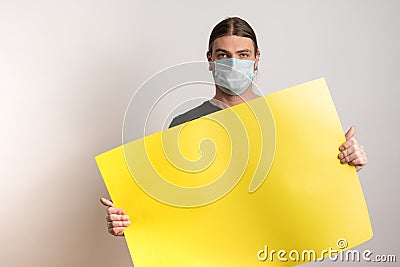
<point>222,55</point>
<point>243,55</point>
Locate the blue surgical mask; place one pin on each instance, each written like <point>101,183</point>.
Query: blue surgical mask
<point>233,76</point>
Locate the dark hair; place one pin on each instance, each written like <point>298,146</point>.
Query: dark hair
<point>232,26</point>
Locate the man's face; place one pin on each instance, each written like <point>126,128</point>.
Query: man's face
<point>233,47</point>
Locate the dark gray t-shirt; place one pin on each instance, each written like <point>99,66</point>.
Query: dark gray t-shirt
<point>195,113</point>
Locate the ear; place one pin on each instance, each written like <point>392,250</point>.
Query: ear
<point>256,60</point>
<point>209,59</point>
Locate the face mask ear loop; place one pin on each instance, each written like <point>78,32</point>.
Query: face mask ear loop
<point>255,75</point>
<point>211,64</point>
<point>255,81</point>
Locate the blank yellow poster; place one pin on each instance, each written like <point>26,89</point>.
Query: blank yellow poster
<point>232,187</point>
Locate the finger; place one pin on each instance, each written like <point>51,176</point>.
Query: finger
<point>115,217</point>
<point>351,142</point>
<point>350,133</point>
<point>115,224</point>
<point>119,231</point>
<point>358,162</point>
<point>106,202</point>
<point>352,157</point>
<point>112,210</point>
<point>347,152</point>
<point>357,158</point>
<point>118,211</point>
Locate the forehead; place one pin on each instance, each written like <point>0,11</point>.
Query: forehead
<point>233,43</point>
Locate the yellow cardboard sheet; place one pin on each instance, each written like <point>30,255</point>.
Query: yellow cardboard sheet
<point>237,186</point>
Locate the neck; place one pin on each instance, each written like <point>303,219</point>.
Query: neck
<point>232,100</point>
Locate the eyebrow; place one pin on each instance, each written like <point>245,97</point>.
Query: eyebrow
<point>244,50</point>
<point>227,52</point>
<point>222,50</point>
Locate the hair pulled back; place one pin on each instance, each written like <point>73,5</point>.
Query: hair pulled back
<point>232,26</point>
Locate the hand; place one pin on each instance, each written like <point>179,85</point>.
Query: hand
<point>352,152</point>
<point>117,220</point>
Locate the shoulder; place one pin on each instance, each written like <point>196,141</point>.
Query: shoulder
<point>195,113</point>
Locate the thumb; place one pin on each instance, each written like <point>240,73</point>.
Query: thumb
<point>106,202</point>
<point>350,133</point>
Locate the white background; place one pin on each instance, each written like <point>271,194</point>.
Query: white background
<point>69,68</point>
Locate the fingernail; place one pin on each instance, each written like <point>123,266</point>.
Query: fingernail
<point>341,155</point>
<point>126,217</point>
<point>341,148</point>
<point>127,223</point>
<point>343,161</point>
